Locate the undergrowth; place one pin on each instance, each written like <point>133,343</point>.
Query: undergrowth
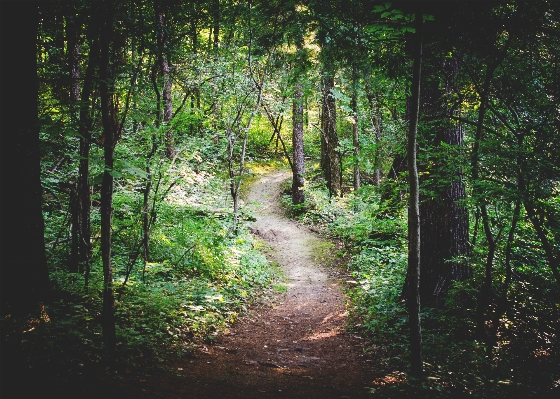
<point>523,361</point>
<point>199,278</point>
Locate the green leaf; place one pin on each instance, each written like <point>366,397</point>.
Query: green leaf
<point>115,173</point>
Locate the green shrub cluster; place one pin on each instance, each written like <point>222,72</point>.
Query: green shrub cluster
<point>457,362</point>
<point>199,277</point>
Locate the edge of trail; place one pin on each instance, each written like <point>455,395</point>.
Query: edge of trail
<point>293,345</point>
<point>298,346</point>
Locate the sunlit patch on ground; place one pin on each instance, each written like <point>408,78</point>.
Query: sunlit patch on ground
<point>396,377</point>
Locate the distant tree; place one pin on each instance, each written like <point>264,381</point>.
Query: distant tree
<point>162,65</point>
<point>326,35</point>
<point>298,195</point>
<point>330,156</point>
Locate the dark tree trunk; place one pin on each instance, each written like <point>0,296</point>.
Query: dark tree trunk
<point>85,126</point>
<point>443,219</point>
<point>444,223</point>
<point>163,65</point>
<point>331,159</point>
<point>355,134</point>
<point>414,241</point>
<point>72,54</point>
<point>298,195</point>
<point>216,45</point>
<point>24,280</point>
<point>216,19</point>
<point>53,21</point>
<point>75,213</point>
<point>376,124</point>
<point>110,134</point>
<point>147,215</point>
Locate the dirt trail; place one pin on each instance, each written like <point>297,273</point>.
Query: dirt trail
<point>296,349</point>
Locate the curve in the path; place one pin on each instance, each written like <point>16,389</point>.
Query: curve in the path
<point>296,348</point>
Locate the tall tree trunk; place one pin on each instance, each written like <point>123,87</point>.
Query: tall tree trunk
<point>147,215</point>
<point>216,45</point>
<point>24,281</point>
<point>163,65</point>
<point>167,110</point>
<point>216,20</point>
<point>298,195</point>
<point>331,163</point>
<point>84,129</point>
<point>72,54</point>
<point>444,219</point>
<point>373,101</point>
<point>75,214</point>
<point>355,132</point>
<point>55,24</point>
<point>414,240</point>
<point>110,133</point>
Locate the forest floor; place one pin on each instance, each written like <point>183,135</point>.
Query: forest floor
<point>297,345</point>
<point>293,345</point>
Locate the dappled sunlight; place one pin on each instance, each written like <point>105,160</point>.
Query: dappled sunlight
<point>325,334</point>
<point>197,190</point>
<point>395,377</point>
<point>332,316</point>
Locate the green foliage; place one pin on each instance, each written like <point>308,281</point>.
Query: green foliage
<point>379,273</point>
<point>457,362</point>
<point>197,277</point>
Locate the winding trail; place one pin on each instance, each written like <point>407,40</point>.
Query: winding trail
<point>291,346</point>
<point>298,348</point>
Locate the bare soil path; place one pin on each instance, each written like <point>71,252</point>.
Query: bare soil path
<point>293,347</point>
<point>298,348</point>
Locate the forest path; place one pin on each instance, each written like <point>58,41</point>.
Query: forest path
<point>296,347</point>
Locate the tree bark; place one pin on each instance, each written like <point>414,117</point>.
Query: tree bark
<point>298,195</point>
<point>331,162</point>
<point>72,54</point>
<point>216,20</point>
<point>414,240</point>
<point>84,130</point>
<point>444,219</point>
<point>24,278</point>
<point>163,65</point>
<point>110,133</point>
<point>355,133</point>
<point>376,124</point>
